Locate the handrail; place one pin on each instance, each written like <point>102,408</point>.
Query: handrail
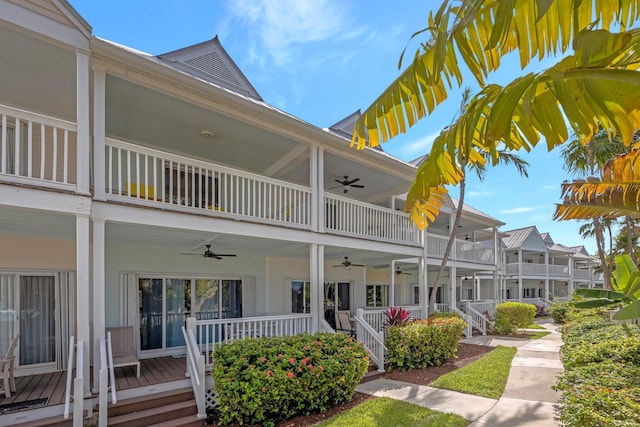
<point>468,332</point>
<point>479,319</point>
<point>106,376</point>
<point>372,341</point>
<point>67,393</point>
<point>78,387</point>
<point>195,366</point>
<point>326,327</point>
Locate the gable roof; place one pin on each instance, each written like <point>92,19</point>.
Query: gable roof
<point>210,62</point>
<point>547,238</point>
<point>518,238</point>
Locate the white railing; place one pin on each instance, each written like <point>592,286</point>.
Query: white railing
<point>326,327</point>
<point>37,149</point>
<point>195,366</point>
<point>436,245</point>
<point>483,306</point>
<point>531,269</point>
<point>372,340</point>
<point>443,308</point>
<point>210,332</point>
<point>478,320</point>
<point>151,176</point>
<point>474,252</point>
<point>538,302</point>
<point>559,270</point>
<point>581,274</point>
<point>78,383</point>
<point>362,219</point>
<point>376,317</point>
<point>468,330</point>
<point>107,376</point>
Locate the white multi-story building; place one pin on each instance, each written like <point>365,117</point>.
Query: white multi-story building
<point>139,191</point>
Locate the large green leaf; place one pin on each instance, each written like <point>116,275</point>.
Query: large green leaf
<point>631,311</point>
<point>600,293</point>
<point>595,303</point>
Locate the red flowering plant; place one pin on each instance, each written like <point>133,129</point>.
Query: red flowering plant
<point>396,316</point>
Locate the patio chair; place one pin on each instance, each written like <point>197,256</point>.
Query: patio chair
<point>6,369</point>
<point>123,347</point>
<point>343,323</point>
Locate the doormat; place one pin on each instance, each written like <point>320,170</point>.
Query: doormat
<point>20,406</point>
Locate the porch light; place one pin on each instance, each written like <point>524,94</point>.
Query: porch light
<point>206,134</point>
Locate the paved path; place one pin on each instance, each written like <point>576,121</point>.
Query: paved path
<point>527,401</point>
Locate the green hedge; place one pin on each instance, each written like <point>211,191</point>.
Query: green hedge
<point>423,343</point>
<point>601,382</point>
<point>513,315</point>
<point>260,381</point>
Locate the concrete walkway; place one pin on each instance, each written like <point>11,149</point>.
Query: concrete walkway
<point>528,399</point>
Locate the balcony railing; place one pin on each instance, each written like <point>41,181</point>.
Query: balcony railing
<point>37,149</point>
<point>356,218</point>
<point>530,269</point>
<point>464,250</point>
<point>150,176</point>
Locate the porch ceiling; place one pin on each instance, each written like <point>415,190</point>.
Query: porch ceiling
<point>36,223</point>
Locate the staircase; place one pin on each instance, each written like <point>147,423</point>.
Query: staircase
<point>169,409</point>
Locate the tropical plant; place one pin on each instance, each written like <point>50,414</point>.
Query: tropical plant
<point>626,293</point>
<point>596,84</point>
<point>396,316</point>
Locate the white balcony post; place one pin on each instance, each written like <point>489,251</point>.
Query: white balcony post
<point>83,334</point>
<point>519,274</point>
<point>570,284</point>
<point>546,289</point>
<point>316,312</point>
<point>392,299</point>
<point>452,272</point>
<point>424,287</point>
<point>316,202</point>
<point>98,296</point>
<point>99,78</point>
<point>322,210</point>
<point>82,118</point>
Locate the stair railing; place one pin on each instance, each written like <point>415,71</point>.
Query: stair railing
<point>195,366</point>
<point>468,331</point>
<point>478,319</point>
<point>78,383</point>
<point>372,340</point>
<point>106,376</point>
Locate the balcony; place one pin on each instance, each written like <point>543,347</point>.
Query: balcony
<point>37,150</point>
<point>530,269</point>
<point>145,176</point>
<point>351,217</point>
<point>464,250</point>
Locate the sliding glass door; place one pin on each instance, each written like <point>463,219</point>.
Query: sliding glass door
<point>165,304</point>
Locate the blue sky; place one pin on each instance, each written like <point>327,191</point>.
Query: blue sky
<point>321,60</point>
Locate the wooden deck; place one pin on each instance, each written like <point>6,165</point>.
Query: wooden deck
<point>52,385</point>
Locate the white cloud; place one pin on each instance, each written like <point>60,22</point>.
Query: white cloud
<point>521,209</point>
<point>551,187</point>
<point>419,147</point>
<point>481,193</point>
<point>282,25</point>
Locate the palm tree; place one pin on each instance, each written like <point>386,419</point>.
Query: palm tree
<point>586,159</point>
<point>462,161</point>
<point>596,84</point>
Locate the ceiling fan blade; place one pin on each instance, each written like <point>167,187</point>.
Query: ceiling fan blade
<point>339,265</point>
<point>356,186</point>
<point>337,186</point>
<point>354,180</point>
<point>339,182</point>
<point>216,256</point>
<point>192,254</point>
<point>220,255</point>
<point>358,265</point>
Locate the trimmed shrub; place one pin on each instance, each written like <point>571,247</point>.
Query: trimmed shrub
<point>423,343</point>
<point>616,348</point>
<point>589,406</point>
<point>260,381</point>
<point>513,315</point>
<point>616,376</point>
<point>559,310</point>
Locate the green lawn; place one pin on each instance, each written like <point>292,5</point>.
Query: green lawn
<point>486,376</point>
<point>536,335</point>
<point>386,412</point>
<point>534,326</point>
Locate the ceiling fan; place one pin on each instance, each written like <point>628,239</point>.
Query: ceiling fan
<point>208,253</point>
<point>347,183</point>
<point>399,272</point>
<point>348,264</point>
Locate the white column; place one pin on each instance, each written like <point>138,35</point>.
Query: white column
<point>571,284</point>
<point>546,289</point>
<point>99,134</point>
<point>316,312</point>
<point>392,297</point>
<point>82,118</point>
<point>452,273</point>
<point>313,179</point>
<point>320,193</point>
<point>519,274</point>
<point>83,332</point>
<point>424,287</point>
<point>98,296</point>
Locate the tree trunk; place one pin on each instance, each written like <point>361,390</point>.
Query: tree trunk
<point>606,271</point>
<point>628,223</point>
<point>447,251</point>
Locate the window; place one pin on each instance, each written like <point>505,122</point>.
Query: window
<point>336,301</point>
<point>300,296</point>
<point>378,295</point>
<point>529,293</point>
<point>466,294</point>
<point>416,294</point>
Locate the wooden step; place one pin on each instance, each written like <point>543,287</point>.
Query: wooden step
<point>47,422</point>
<point>190,421</point>
<point>154,415</point>
<point>150,401</point>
